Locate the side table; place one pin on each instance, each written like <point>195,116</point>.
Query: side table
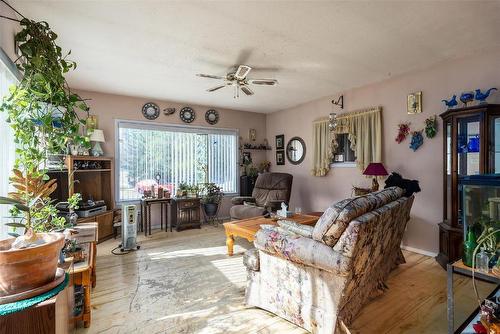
<point>146,204</point>
<point>460,268</point>
<point>184,213</point>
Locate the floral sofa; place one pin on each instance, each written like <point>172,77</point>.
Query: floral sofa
<point>319,277</point>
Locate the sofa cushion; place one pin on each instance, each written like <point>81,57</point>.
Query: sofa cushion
<point>300,229</point>
<point>246,211</point>
<point>306,251</point>
<point>336,218</point>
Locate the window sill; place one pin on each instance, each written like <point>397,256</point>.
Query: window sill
<point>343,165</point>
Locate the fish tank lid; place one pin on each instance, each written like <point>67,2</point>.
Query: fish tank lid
<point>483,179</point>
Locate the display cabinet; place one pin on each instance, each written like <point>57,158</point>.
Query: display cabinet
<point>471,146</point>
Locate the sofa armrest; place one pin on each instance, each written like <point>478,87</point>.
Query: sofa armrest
<point>300,229</point>
<point>273,205</point>
<point>306,251</point>
<point>238,200</point>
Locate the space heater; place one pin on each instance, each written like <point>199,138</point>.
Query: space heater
<point>129,228</point>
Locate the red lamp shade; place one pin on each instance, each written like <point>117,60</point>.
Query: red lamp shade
<point>375,169</point>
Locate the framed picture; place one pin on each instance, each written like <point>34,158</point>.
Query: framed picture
<point>247,158</point>
<point>280,157</point>
<point>280,142</point>
<point>414,103</point>
<point>252,135</point>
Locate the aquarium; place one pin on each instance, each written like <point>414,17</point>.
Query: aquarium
<point>479,211</point>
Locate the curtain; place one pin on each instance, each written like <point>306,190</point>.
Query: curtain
<point>7,147</point>
<point>322,148</point>
<point>364,128</point>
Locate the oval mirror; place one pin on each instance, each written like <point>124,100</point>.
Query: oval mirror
<point>296,150</point>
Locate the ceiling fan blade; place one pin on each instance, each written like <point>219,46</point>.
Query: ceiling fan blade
<point>242,72</point>
<point>246,90</point>
<point>210,76</point>
<point>264,82</point>
<point>213,89</point>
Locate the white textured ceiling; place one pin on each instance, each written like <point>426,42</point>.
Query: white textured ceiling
<point>153,49</point>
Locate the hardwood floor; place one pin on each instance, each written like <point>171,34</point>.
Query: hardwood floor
<point>183,282</point>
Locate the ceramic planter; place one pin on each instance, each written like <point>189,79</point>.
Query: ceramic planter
<point>29,268</point>
<point>210,209</point>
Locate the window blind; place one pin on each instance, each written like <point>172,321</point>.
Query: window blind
<point>150,154</point>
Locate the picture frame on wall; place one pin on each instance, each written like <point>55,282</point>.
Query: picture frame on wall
<point>247,158</point>
<point>252,135</point>
<point>280,157</point>
<point>280,142</point>
<point>414,103</point>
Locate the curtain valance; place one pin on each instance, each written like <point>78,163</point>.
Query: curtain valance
<point>364,129</point>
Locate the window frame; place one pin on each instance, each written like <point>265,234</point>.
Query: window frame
<point>144,125</point>
<point>343,164</point>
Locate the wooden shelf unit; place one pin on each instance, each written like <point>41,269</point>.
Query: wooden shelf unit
<point>96,184</point>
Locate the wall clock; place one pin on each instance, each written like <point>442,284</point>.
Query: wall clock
<point>187,115</point>
<point>151,111</point>
<point>212,116</point>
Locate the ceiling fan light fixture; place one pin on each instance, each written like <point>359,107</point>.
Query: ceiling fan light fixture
<point>242,72</point>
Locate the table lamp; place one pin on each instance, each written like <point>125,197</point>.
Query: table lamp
<point>97,137</point>
<point>375,169</point>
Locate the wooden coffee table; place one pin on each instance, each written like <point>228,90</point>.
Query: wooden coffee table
<point>247,228</point>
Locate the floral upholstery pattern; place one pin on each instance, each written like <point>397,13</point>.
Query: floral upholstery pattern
<point>317,286</point>
<point>335,219</point>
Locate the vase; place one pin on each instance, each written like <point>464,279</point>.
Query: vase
<point>469,246</point>
<point>29,268</point>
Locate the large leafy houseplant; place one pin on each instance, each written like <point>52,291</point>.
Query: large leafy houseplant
<point>45,116</point>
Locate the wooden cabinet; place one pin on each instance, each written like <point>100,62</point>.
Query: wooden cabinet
<point>104,225</point>
<point>471,146</point>
<point>185,213</point>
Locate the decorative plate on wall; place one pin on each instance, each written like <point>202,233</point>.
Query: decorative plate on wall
<point>212,116</point>
<point>151,111</point>
<point>168,111</point>
<point>187,115</point>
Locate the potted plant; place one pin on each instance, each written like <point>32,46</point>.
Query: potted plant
<point>211,198</point>
<point>182,189</point>
<point>45,116</point>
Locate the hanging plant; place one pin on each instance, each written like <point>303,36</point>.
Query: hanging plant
<point>431,127</point>
<point>45,116</point>
<point>403,131</point>
<point>416,140</point>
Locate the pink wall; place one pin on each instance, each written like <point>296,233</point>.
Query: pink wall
<point>441,81</point>
<point>109,107</point>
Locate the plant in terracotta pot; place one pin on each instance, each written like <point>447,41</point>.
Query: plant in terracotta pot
<point>211,198</point>
<point>45,117</point>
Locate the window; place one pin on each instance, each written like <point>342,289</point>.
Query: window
<point>7,147</point>
<point>344,153</point>
<point>170,155</point>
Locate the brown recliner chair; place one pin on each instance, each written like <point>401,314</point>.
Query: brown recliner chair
<point>271,189</point>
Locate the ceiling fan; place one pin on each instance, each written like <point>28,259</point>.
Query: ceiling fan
<point>238,79</point>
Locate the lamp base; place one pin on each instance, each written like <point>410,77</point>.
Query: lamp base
<point>374,184</point>
<point>97,150</point>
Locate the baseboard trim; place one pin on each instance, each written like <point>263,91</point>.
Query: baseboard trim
<point>419,251</point>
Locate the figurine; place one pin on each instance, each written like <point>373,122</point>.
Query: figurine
<point>416,140</point>
<point>467,97</point>
<point>452,102</point>
<point>283,211</point>
<point>481,97</point>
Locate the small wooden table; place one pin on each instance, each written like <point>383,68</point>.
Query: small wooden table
<point>459,267</point>
<point>146,212</point>
<point>247,228</point>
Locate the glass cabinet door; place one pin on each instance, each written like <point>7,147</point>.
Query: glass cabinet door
<point>448,167</point>
<point>494,145</point>
<point>468,145</point>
